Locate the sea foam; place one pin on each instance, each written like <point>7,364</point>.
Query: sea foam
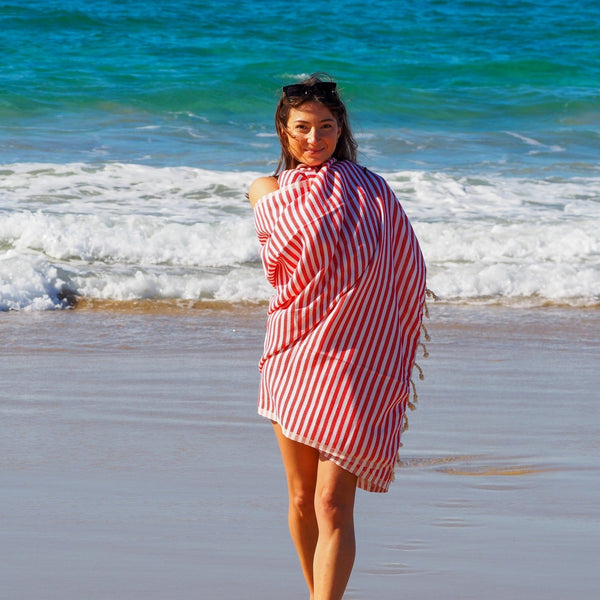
<point>126,232</point>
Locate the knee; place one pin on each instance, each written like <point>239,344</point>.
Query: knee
<point>302,501</point>
<point>333,509</point>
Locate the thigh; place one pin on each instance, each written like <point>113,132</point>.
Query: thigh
<point>301,463</point>
<point>335,486</point>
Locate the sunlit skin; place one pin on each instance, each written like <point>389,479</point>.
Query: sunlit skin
<point>313,133</point>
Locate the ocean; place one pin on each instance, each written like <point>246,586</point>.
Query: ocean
<point>130,132</point>
<point>133,464</point>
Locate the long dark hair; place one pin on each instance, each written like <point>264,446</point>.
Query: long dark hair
<point>346,146</point>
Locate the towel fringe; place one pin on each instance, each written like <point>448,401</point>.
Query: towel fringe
<point>413,396</point>
<point>431,294</point>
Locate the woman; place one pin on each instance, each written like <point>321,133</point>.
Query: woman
<point>343,325</point>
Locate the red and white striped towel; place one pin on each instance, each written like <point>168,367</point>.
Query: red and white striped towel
<point>344,322</point>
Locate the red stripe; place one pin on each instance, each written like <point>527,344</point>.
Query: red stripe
<point>344,321</point>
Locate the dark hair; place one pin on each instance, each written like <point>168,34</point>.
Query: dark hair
<point>346,146</point>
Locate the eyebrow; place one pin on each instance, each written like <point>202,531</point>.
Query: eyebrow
<point>326,120</point>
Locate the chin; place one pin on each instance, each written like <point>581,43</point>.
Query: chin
<point>315,161</point>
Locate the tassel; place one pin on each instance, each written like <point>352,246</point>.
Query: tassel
<point>413,397</point>
<point>431,295</point>
<point>421,375</point>
<point>425,333</point>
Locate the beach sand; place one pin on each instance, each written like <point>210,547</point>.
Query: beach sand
<point>133,464</point>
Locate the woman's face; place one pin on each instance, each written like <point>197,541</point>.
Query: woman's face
<point>312,133</point>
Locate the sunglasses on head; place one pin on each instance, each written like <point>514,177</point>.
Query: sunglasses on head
<point>322,90</point>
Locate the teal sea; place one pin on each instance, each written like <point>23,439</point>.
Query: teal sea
<point>481,114</point>
<point>181,82</point>
<point>132,462</point>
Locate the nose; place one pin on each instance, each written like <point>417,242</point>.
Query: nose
<point>313,135</point>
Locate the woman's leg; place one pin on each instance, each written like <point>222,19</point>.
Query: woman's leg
<point>301,463</point>
<point>321,517</point>
<point>336,546</point>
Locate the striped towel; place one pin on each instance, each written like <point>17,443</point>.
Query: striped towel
<point>344,322</point>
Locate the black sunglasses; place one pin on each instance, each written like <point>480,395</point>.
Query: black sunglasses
<point>322,90</point>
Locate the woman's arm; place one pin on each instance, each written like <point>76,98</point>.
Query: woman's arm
<point>261,187</point>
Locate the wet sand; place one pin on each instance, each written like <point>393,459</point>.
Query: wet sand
<point>133,464</point>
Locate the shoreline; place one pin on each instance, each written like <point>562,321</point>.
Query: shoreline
<point>179,305</point>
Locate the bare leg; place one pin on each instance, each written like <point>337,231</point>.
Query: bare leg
<point>336,546</point>
<point>321,517</point>
<point>301,464</point>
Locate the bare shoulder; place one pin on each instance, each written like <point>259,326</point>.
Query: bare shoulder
<point>261,187</point>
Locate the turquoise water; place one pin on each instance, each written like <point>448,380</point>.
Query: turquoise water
<point>130,132</point>
<point>434,82</point>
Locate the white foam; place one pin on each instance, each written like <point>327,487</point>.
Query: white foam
<point>119,231</point>
<point>27,282</point>
<point>535,143</point>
